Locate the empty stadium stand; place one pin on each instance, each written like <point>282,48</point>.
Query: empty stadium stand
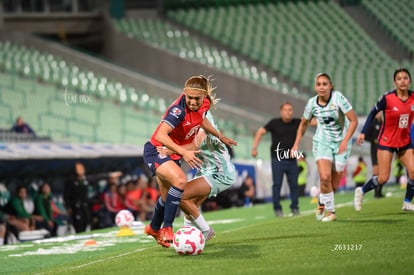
<point>298,40</point>
<point>67,103</point>
<point>397,18</point>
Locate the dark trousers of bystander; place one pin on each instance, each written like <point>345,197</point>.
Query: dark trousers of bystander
<point>280,168</point>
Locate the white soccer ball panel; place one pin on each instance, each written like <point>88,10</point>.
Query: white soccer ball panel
<point>188,240</point>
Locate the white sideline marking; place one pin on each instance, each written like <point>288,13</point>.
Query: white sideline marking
<point>302,214</point>
<point>108,258</point>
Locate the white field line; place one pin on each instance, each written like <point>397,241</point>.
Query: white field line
<point>302,214</point>
<point>108,258</point>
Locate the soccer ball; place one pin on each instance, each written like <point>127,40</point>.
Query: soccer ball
<point>124,218</point>
<point>189,240</point>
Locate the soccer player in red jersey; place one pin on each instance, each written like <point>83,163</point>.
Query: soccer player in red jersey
<point>394,137</point>
<point>178,127</point>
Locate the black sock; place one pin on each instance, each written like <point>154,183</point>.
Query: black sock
<point>371,184</point>
<point>171,205</point>
<point>158,217</point>
<point>409,193</point>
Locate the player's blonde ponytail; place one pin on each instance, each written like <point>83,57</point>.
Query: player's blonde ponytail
<point>202,83</point>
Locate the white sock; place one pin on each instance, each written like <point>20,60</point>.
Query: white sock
<point>328,200</point>
<point>187,222</point>
<point>320,199</point>
<point>201,223</point>
<point>1,241</point>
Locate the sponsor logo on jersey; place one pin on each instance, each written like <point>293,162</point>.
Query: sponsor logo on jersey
<point>403,122</point>
<point>192,132</point>
<point>175,112</point>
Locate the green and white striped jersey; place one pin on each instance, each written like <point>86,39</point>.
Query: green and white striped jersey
<point>214,154</point>
<point>332,122</point>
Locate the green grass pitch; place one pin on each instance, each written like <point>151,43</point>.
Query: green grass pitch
<point>378,240</point>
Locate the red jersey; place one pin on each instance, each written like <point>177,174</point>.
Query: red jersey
<point>398,114</point>
<point>185,123</point>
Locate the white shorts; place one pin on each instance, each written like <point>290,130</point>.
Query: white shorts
<point>324,150</point>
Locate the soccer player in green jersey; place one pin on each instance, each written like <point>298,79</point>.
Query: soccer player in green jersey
<point>332,141</point>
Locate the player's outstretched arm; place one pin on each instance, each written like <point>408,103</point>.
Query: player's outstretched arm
<point>210,129</point>
<point>299,134</point>
<point>353,123</point>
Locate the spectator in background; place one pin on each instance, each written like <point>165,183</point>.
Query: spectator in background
<point>283,131</point>
<point>122,191</point>
<point>60,215</point>
<point>76,199</point>
<point>111,202</point>
<point>372,137</point>
<point>43,208</point>
<point>303,175</point>
<point>22,127</point>
<point>152,189</point>
<point>151,195</point>
<point>141,198</point>
<point>131,197</point>
<point>247,191</point>
<point>20,212</point>
<point>360,174</point>
<point>76,196</point>
<point>9,219</point>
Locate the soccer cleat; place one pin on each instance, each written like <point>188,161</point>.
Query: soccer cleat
<point>151,232</point>
<point>407,206</point>
<point>156,235</point>
<point>208,235</point>
<point>320,212</point>
<point>166,236</point>
<point>358,197</point>
<point>329,217</point>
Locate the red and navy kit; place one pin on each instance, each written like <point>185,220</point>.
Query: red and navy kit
<point>394,134</point>
<point>185,124</point>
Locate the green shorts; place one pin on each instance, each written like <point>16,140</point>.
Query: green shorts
<point>328,151</point>
<point>219,181</point>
